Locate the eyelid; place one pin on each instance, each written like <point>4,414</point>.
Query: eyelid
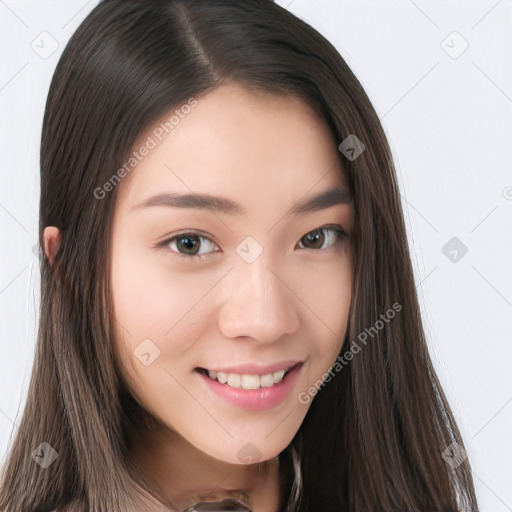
<point>340,233</point>
<point>190,257</point>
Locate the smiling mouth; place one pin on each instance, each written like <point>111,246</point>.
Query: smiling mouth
<point>248,381</point>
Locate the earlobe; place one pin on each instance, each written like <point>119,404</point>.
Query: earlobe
<point>51,240</point>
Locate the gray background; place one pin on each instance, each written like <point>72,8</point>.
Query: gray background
<point>447,111</point>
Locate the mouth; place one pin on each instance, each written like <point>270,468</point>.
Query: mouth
<point>248,381</point>
<point>253,392</point>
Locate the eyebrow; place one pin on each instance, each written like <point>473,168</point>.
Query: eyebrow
<point>321,201</point>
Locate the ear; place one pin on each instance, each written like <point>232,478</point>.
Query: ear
<point>51,240</point>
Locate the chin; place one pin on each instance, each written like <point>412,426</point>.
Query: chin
<point>246,451</point>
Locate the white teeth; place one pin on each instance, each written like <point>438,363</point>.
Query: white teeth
<point>234,380</point>
<point>266,380</point>
<point>278,376</point>
<point>244,381</point>
<point>250,381</point>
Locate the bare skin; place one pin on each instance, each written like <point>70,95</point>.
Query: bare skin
<point>291,303</point>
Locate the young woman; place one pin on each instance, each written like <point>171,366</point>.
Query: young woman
<point>229,318</point>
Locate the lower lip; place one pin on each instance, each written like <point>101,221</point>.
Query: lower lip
<point>255,399</point>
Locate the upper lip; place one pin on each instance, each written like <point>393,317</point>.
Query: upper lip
<point>256,368</point>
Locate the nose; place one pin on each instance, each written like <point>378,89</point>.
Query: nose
<point>259,303</point>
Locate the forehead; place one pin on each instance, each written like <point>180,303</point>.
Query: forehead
<point>238,143</point>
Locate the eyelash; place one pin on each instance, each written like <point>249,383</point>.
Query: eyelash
<point>340,234</point>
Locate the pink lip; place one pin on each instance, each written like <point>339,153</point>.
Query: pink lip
<point>256,368</point>
<point>255,399</point>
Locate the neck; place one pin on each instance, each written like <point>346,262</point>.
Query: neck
<point>181,474</point>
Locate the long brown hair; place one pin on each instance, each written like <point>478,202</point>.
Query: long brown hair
<point>375,434</point>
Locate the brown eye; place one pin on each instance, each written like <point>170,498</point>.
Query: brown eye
<point>188,245</point>
<point>317,238</point>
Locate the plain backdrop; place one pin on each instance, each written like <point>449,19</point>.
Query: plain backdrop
<point>440,77</point>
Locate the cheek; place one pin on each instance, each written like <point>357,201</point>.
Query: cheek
<point>153,334</point>
<point>140,292</point>
<point>328,297</point>
<point>151,298</point>
<point>159,315</point>
<point>326,291</point>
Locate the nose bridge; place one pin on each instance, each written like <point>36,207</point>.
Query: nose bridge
<point>260,304</point>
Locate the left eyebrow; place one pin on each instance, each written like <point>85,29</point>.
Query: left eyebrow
<point>320,201</point>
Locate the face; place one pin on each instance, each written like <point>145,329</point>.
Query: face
<point>241,290</point>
